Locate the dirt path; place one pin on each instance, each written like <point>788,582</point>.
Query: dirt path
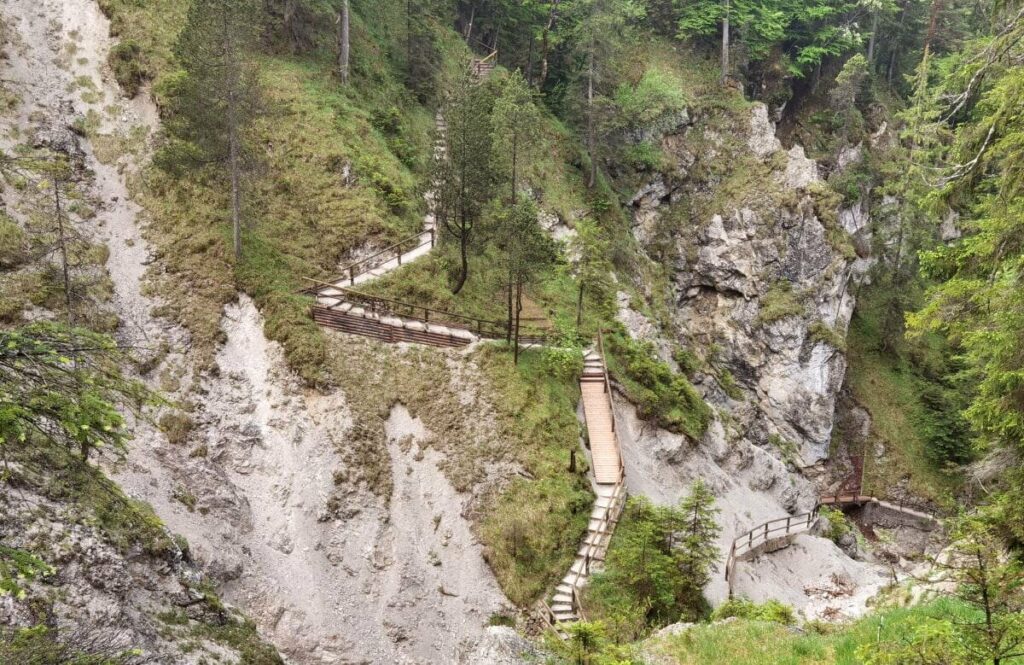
<point>250,486</point>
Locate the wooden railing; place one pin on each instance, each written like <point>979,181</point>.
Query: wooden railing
<point>379,305</point>
<point>596,552</point>
<point>762,533</point>
<point>395,251</point>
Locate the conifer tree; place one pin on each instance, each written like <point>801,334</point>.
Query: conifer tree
<point>213,102</point>
<point>696,553</point>
<point>465,180</point>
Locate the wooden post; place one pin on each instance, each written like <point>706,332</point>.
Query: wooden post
<point>351,276</point>
<point>787,524</point>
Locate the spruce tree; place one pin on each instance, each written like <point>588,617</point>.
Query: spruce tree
<point>695,551</point>
<point>465,180</point>
<point>213,102</point>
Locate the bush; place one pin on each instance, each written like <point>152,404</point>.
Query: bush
<point>838,525</point>
<point>176,426</point>
<point>772,611</point>
<point>12,243</point>
<point>819,331</point>
<point>125,60</point>
<point>656,94</point>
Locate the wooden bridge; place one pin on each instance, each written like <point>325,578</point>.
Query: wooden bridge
<point>778,533</point>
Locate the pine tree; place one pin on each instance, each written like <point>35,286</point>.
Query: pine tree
<point>465,180</point>
<point>593,268</point>
<point>696,552</point>
<point>64,384</point>
<point>527,252</point>
<point>212,104</point>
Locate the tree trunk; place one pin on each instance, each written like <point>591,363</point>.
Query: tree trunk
<point>236,194</point>
<point>469,26</point>
<point>572,460</point>
<point>579,306</point>
<point>464,258</point>
<point>933,22</point>
<point>591,139</point>
<point>62,242</point>
<point>344,45</point>
<point>725,43</point>
<point>871,40</point>
<point>545,41</point>
<point>895,44</point>
<point>508,332</point>
<point>519,309</point>
<point>515,148</point>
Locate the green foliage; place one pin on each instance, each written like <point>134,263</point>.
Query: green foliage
<point>658,93</point>
<point>17,569</point>
<point>125,60</point>
<point>65,385</point>
<point>660,394</point>
<point>838,525</point>
<point>13,243</point>
<point>780,302</point>
<point>39,645</point>
<point>823,333</point>
<point>657,566</point>
<point>807,32</point>
<point>771,611</point>
<point>532,530</point>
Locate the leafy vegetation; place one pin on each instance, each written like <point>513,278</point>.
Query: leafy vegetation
<point>660,394</point>
<point>658,563</point>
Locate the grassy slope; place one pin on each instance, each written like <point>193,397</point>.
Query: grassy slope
<point>302,214</point>
<point>744,642</point>
<point>890,390</point>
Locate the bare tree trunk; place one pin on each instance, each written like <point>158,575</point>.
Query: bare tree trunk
<point>519,309</point>
<point>591,139</point>
<point>469,26</point>
<point>62,245</point>
<point>508,332</point>
<point>871,40</point>
<point>933,22</point>
<point>725,43</point>
<point>464,259</point>
<point>895,44</point>
<point>344,45</point>
<point>546,43</point>
<point>579,307</point>
<point>235,167</point>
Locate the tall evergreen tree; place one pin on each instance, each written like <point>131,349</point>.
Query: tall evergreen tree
<point>466,179</point>
<point>213,102</point>
<point>696,553</point>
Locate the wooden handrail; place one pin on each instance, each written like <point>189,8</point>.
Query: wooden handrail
<point>483,327</point>
<point>349,273</point>
<point>493,54</point>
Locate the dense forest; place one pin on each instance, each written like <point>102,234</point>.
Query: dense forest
<point>563,160</point>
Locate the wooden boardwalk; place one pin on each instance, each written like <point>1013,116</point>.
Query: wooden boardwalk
<point>597,408</point>
<point>609,478</point>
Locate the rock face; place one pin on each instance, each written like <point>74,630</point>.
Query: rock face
<point>762,258</point>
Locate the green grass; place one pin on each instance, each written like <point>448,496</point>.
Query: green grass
<point>302,215</point>
<point>532,529</point>
<point>746,642</point>
<point>891,391</point>
<point>92,498</point>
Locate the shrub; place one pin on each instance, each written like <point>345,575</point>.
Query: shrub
<point>12,244</point>
<point>125,60</point>
<point>772,611</point>
<point>838,525</point>
<point>660,394</point>
<point>656,94</point>
<point>176,426</point>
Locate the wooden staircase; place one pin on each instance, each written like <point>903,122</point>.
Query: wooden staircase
<point>609,478</point>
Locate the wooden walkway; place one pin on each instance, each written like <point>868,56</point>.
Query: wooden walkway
<point>597,408</point>
<point>779,533</point>
<point>609,478</point>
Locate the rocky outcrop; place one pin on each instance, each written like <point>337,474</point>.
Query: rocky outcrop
<point>760,277</point>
